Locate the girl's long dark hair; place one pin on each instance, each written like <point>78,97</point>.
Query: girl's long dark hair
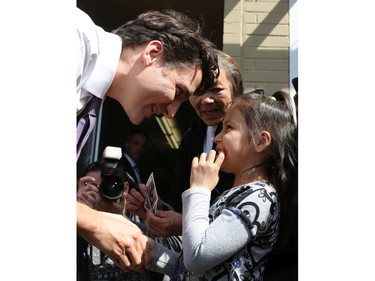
<point>275,115</point>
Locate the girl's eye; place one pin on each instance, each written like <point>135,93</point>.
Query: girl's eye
<point>228,127</point>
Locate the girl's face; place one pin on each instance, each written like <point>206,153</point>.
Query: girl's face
<point>234,141</point>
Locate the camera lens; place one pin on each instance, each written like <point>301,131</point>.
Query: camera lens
<point>111,187</point>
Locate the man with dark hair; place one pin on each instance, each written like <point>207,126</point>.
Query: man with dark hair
<point>150,66</point>
<point>134,146</point>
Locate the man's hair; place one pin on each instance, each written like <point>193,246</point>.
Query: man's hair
<point>182,38</point>
<point>136,131</point>
<point>92,167</point>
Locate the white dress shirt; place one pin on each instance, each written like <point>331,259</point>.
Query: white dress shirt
<point>98,54</point>
<point>209,140</point>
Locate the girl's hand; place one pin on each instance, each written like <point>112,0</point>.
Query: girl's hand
<point>205,170</point>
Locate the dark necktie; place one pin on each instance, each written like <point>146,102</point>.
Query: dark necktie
<point>86,122</point>
<point>137,173</point>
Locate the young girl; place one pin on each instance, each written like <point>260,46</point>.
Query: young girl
<point>232,239</point>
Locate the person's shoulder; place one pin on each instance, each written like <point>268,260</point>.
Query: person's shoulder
<point>86,26</point>
<point>257,185</point>
<point>124,159</point>
<point>197,129</point>
<point>188,134</point>
<point>124,162</point>
<point>82,19</point>
<point>199,125</point>
<point>258,190</point>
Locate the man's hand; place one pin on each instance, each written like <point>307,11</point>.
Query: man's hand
<point>112,207</point>
<point>135,201</point>
<point>113,234</point>
<point>88,194</point>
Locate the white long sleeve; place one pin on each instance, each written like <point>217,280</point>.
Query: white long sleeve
<point>206,245</point>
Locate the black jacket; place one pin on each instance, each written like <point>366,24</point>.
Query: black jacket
<point>128,168</point>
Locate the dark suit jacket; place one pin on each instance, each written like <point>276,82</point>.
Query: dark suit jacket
<point>128,168</point>
<point>191,146</point>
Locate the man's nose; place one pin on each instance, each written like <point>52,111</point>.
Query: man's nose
<point>172,109</point>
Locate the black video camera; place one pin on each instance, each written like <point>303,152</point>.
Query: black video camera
<point>112,184</point>
<point>113,175</point>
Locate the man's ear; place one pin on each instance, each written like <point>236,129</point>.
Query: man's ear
<point>264,141</point>
<point>152,52</point>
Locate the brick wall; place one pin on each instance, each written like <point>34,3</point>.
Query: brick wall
<point>256,34</point>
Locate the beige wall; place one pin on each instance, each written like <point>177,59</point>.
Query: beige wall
<point>256,34</point>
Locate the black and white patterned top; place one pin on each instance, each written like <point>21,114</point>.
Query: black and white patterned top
<point>233,241</point>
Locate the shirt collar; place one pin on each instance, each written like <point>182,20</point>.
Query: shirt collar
<point>110,46</point>
<point>131,161</point>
